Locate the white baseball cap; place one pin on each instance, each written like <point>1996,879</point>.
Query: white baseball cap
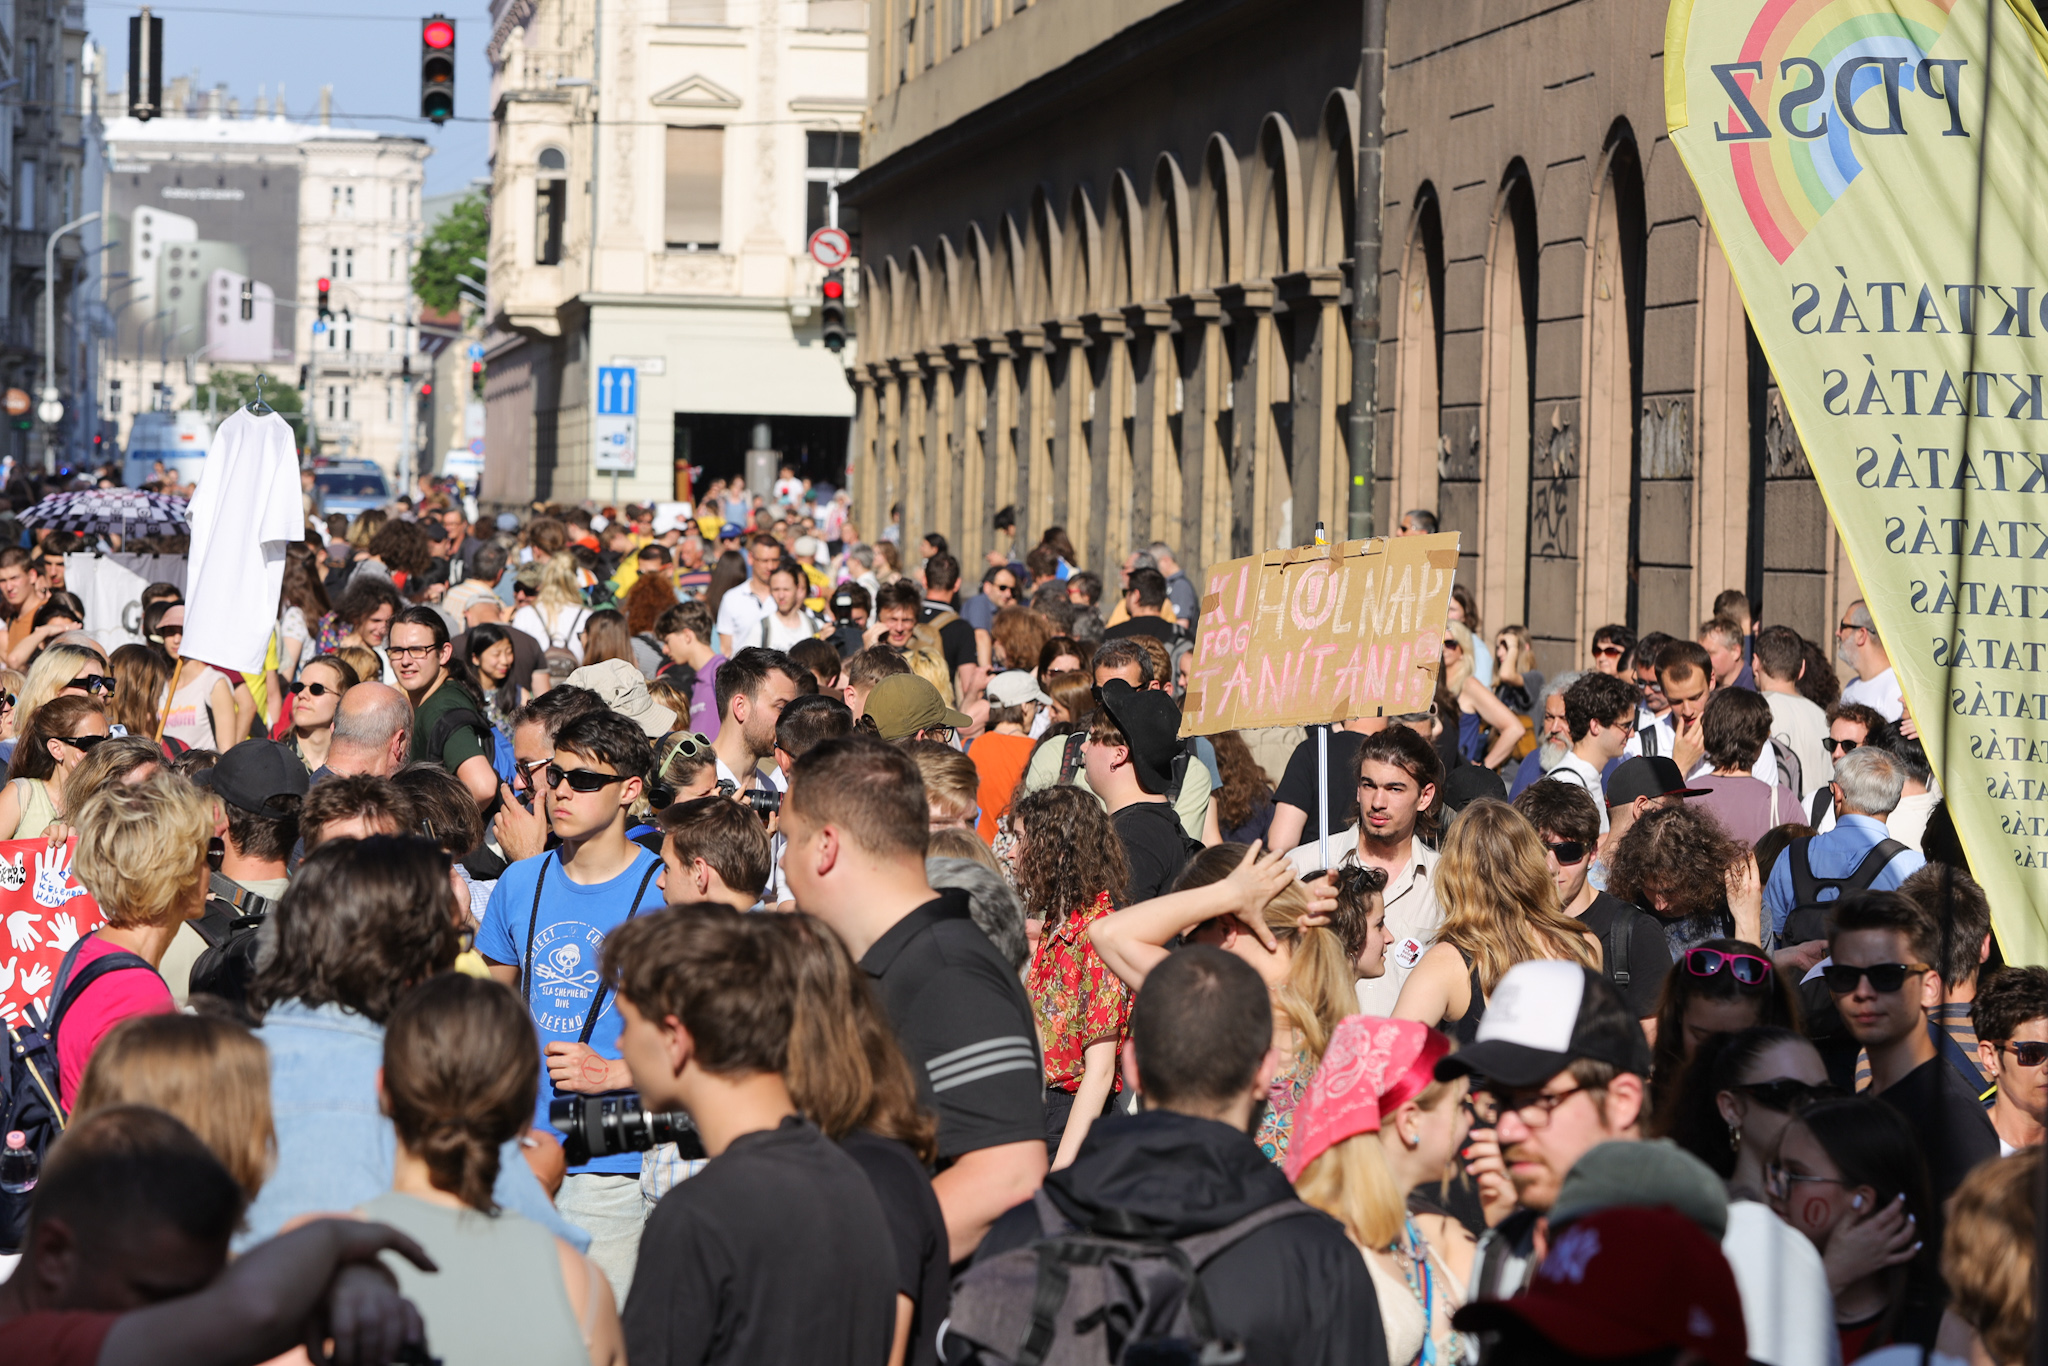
<point>1014,688</point>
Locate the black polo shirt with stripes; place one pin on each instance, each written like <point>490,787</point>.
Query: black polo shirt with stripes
<point>964,1023</point>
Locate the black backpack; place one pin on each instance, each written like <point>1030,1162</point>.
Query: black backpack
<point>29,1096</point>
<point>1808,919</point>
<point>225,967</point>
<point>1112,1294</point>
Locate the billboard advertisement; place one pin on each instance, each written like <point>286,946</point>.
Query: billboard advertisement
<point>192,234</point>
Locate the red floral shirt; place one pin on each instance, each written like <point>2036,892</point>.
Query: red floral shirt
<point>1077,999</point>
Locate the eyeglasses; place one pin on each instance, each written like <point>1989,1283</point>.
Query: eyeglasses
<point>2026,1053</point>
<point>582,779</point>
<point>1626,725</point>
<point>1849,626</point>
<point>84,744</point>
<point>1884,977</point>
<point>1841,746</point>
<point>1786,1094</point>
<point>942,734</point>
<point>1567,851</point>
<point>689,744</point>
<point>411,651</point>
<point>312,689</point>
<point>1528,1110</point>
<point>1779,1181</point>
<point>527,768</point>
<point>1745,968</point>
<point>93,683</point>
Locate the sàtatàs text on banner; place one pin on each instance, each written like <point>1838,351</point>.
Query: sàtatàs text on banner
<point>1321,634</point>
<point>1876,172</point>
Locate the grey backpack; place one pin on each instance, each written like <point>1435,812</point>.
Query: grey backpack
<point>1112,1294</point>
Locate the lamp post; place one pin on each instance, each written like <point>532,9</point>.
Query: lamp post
<point>51,409</point>
<point>1365,269</point>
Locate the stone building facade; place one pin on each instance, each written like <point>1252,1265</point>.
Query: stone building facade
<point>1108,282</point>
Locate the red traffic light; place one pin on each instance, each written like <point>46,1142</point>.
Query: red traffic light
<point>835,289</point>
<point>426,388</point>
<point>321,284</point>
<point>438,33</point>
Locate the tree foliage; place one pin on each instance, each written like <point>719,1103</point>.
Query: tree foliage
<point>464,233</point>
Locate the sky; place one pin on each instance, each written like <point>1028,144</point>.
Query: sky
<point>370,57</point>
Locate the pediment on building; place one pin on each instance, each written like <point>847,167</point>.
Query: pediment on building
<point>696,92</point>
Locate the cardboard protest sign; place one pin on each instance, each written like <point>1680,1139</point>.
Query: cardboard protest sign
<point>1877,177</point>
<point>43,912</point>
<point>1321,634</point>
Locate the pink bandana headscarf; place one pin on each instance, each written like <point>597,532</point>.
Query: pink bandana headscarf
<point>1371,1067</point>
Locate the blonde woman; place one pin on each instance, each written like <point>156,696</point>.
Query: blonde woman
<point>209,1072</point>
<point>1516,680</point>
<point>1360,1148</point>
<point>142,855</point>
<point>1478,708</point>
<point>1500,908</point>
<point>1251,906</point>
<point>11,684</point>
<point>556,621</point>
<point>76,669</point>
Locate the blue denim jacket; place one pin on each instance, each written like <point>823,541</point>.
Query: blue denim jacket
<point>334,1149</point>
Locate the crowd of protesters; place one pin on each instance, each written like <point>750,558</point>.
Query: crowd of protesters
<point>697,934</point>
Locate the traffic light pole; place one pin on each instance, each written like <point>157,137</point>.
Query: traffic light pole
<point>1365,269</point>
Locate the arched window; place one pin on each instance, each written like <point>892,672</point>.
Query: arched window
<point>550,206</point>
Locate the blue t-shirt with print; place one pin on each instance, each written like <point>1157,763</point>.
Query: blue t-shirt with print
<point>568,935</point>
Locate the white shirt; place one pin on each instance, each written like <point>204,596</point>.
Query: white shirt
<point>1881,694</point>
<point>1786,1304</point>
<point>1908,821</point>
<point>1413,914</point>
<point>1802,728</point>
<point>741,612</point>
<point>247,508</point>
<point>1572,769</point>
<point>1764,770</point>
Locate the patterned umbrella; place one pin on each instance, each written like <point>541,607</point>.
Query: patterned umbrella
<point>130,512</point>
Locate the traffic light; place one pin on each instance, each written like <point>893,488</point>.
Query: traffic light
<point>427,389</point>
<point>437,68</point>
<point>833,312</point>
<point>145,66</point>
<point>325,311</point>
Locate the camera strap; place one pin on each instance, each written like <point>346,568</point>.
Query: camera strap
<point>533,923</point>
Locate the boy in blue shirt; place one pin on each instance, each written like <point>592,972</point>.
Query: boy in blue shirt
<point>542,934</point>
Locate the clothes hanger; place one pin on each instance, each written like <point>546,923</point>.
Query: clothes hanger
<point>259,407</point>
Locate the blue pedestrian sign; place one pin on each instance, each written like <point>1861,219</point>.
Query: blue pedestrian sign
<point>615,391</point>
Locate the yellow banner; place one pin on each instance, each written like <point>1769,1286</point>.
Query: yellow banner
<point>1877,174</point>
<point>1321,634</point>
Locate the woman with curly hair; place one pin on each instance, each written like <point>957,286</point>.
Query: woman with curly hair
<point>402,549</point>
<point>1244,804</point>
<point>1500,908</point>
<point>1019,635</point>
<point>1678,865</point>
<point>646,600</point>
<point>1069,863</point>
<point>1252,905</point>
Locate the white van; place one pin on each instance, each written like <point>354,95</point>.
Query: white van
<point>179,440</point>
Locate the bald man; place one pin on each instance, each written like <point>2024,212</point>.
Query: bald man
<point>372,732</point>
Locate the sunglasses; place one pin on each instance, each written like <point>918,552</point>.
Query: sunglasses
<point>688,744</point>
<point>2027,1053</point>
<point>1567,851</point>
<point>84,744</point>
<point>582,779</point>
<point>1786,1094</point>
<point>1841,746</point>
<point>1608,651</point>
<point>1884,977</point>
<point>93,683</point>
<point>312,689</point>
<point>1745,968</point>
<point>6,701</point>
<point>170,630</point>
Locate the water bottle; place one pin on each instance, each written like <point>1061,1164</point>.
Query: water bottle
<point>19,1165</point>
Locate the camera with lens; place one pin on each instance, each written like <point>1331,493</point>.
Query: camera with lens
<point>599,1126</point>
<point>765,801</point>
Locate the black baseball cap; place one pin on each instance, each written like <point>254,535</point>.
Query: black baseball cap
<point>1543,1014</point>
<point>254,774</point>
<point>1151,724</point>
<point>1649,776</point>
